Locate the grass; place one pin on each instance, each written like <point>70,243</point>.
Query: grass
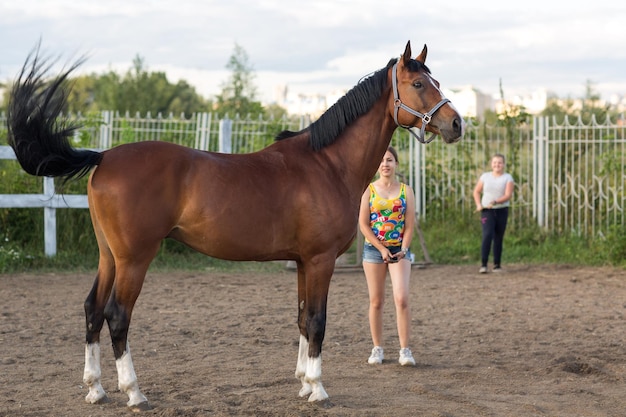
<point>173,256</point>
<point>455,240</point>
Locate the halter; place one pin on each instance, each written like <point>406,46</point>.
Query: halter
<point>426,117</point>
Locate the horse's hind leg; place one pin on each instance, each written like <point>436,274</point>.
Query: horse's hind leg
<point>128,282</point>
<point>94,316</point>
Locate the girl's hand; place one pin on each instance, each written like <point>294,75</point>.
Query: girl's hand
<point>387,256</point>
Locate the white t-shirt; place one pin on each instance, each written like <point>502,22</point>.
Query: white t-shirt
<point>494,188</point>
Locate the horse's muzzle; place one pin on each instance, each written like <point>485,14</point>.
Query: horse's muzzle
<point>454,132</point>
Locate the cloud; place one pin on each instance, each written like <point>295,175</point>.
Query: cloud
<point>330,44</point>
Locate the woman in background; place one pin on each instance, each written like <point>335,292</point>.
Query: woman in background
<point>496,188</point>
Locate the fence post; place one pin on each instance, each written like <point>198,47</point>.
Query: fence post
<point>540,166</point>
<point>305,121</point>
<point>418,186</point>
<point>105,129</point>
<point>203,128</point>
<point>225,136</point>
<point>411,178</point>
<point>49,219</point>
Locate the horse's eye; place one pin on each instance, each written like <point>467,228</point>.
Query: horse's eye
<point>417,84</point>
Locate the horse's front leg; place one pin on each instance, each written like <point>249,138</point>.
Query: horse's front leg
<point>303,350</point>
<point>312,295</point>
<point>303,357</point>
<point>313,377</point>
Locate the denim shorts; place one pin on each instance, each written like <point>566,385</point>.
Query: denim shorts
<point>372,255</point>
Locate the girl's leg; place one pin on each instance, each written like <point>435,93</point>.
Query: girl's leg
<point>488,224</point>
<point>501,218</point>
<point>375,275</point>
<point>400,277</point>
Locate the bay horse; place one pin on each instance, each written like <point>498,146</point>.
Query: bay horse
<point>297,199</point>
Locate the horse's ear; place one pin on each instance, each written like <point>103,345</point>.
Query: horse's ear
<point>422,56</point>
<point>406,56</point>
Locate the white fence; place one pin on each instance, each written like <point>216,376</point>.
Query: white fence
<point>570,177</point>
<point>49,200</point>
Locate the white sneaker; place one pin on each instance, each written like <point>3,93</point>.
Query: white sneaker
<point>482,270</point>
<point>406,357</point>
<point>377,356</point>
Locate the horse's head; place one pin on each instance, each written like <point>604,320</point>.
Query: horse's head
<point>418,102</point>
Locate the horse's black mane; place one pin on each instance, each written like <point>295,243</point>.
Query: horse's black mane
<point>348,108</point>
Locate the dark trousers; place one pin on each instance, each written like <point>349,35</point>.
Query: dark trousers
<point>494,224</point>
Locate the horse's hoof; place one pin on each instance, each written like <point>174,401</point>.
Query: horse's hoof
<point>325,404</point>
<point>96,394</point>
<point>103,400</point>
<point>138,408</point>
<point>97,398</point>
<point>318,395</point>
<point>305,391</point>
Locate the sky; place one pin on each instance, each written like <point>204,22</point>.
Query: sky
<point>322,46</point>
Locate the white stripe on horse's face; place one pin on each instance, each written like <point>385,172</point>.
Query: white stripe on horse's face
<point>435,85</point>
<point>449,103</point>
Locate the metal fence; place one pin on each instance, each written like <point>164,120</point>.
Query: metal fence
<point>444,175</point>
<point>570,176</point>
<point>581,175</point>
<point>202,131</point>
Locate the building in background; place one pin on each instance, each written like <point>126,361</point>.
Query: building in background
<point>468,100</point>
<point>301,104</point>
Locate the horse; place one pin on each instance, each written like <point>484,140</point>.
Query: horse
<point>297,199</point>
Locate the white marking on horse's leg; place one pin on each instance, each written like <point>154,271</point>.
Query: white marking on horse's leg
<point>92,373</point>
<point>303,356</point>
<point>127,379</point>
<point>314,378</point>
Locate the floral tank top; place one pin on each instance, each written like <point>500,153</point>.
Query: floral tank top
<point>387,216</point>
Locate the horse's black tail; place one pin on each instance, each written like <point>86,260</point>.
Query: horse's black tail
<point>41,140</point>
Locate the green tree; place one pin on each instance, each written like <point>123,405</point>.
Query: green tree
<point>81,97</point>
<point>238,94</point>
<point>142,91</point>
<point>591,105</point>
<point>138,90</point>
<point>511,117</point>
<point>274,111</point>
<point>4,96</point>
<point>558,109</point>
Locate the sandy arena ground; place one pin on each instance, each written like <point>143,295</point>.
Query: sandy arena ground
<point>533,341</point>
